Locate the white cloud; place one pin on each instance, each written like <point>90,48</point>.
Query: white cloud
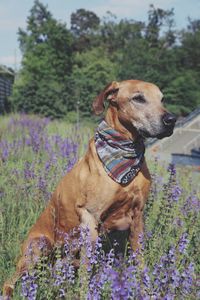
<point>10,60</point>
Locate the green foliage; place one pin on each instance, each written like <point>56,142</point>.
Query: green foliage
<point>63,68</point>
<point>84,25</point>
<point>183,94</point>
<point>47,62</point>
<point>92,71</point>
<point>190,40</point>
<point>157,18</point>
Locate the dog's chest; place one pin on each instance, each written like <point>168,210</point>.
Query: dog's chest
<point>114,206</point>
<point>110,203</point>
<point>120,214</point>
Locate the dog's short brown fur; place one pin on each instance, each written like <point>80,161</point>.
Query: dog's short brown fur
<point>87,196</point>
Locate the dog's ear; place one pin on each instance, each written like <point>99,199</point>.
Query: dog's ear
<point>109,92</point>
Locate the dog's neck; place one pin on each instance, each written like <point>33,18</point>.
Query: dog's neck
<point>122,158</point>
<point>126,130</point>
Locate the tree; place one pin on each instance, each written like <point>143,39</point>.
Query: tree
<point>116,36</point>
<point>158,19</point>
<point>149,54</point>
<point>92,71</point>
<point>190,41</point>
<point>84,24</point>
<point>183,93</point>
<point>47,62</point>
<point>62,67</point>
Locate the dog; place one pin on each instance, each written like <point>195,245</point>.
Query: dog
<point>108,187</point>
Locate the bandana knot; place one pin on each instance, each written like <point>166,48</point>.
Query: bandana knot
<point>121,158</point>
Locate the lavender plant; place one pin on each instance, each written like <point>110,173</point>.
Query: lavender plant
<point>34,154</point>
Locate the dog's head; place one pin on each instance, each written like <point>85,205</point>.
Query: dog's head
<point>139,105</point>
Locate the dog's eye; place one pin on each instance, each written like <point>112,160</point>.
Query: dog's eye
<point>163,99</point>
<point>139,99</point>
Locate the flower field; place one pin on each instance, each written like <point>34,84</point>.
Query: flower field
<point>34,155</point>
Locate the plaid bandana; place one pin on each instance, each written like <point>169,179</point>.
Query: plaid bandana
<point>121,158</point>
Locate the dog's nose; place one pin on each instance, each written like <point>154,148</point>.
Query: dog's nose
<point>169,119</point>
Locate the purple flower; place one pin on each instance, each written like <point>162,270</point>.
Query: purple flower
<point>29,286</point>
<point>172,169</point>
<point>175,276</point>
<point>4,150</point>
<point>145,278</point>
<point>29,171</point>
<point>183,242</point>
<point>187,279</point>
<point>169,296</point>
<point>42,183</point>
<point>176,192</point>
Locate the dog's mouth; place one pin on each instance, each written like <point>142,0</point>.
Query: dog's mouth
<point>164,133</point>
<point>157,128</point>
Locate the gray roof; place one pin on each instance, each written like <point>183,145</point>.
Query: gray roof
<point>6,71</point>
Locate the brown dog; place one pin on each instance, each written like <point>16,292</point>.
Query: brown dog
<point>87,196</point>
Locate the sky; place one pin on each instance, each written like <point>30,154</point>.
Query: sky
<point>13,14</point>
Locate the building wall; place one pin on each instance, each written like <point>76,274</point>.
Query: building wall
<point>6,84</point>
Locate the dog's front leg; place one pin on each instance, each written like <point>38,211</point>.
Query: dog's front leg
<point>32,249</point>
<point>88,225</point>
<point>136,228</point>
<point>88,222</point>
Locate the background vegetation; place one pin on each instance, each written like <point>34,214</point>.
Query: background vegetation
<point>63,68</point>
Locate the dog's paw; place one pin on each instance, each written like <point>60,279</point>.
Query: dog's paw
<point>7,291</point>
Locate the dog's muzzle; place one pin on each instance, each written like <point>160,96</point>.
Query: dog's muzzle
<point>169,121</point>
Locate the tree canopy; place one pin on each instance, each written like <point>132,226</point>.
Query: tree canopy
<point>63,67</point>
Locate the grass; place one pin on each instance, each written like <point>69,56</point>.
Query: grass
<point>34,154</point>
